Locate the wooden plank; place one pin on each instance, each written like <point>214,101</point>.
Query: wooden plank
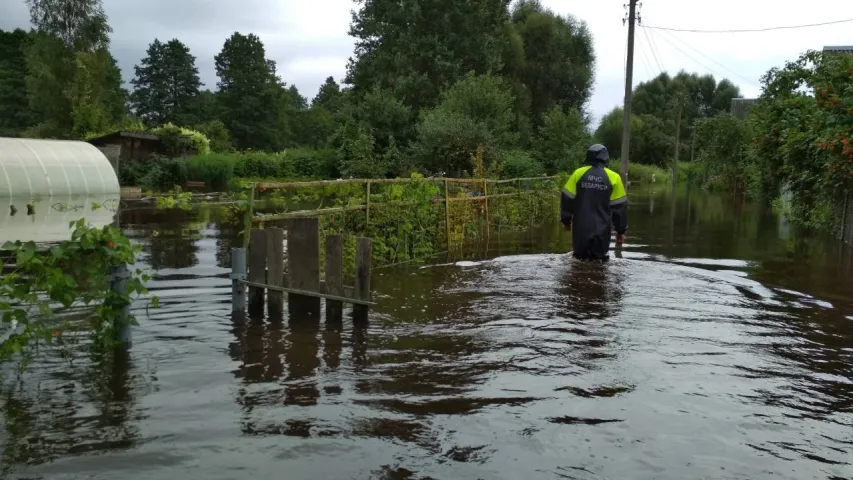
<point>347,297</point>
<point>257,270</point>
<point>363,260</point>
<point>303,261</point>
<point>334,284</point>
<point>275,272</point>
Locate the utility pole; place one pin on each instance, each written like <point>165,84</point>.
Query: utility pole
<point>629,90</point>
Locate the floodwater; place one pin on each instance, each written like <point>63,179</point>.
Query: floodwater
<point>718,344</point>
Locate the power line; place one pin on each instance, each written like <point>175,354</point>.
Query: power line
<point>646,63</point>
<point>767,29</point>
<point>691,58</point>
<point>654,48</point>
<point>750,81</point>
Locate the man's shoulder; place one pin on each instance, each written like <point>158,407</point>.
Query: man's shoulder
<point>581,170</point>
<point>613,176</point>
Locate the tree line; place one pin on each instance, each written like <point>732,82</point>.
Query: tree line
<point>425,88</point>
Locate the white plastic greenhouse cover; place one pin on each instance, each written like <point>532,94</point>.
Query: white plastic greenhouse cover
<point>54,168</point>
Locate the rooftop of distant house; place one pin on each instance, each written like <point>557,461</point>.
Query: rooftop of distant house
<point>838,48</point>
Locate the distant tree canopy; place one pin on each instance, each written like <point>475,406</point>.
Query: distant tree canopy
<point>429,83</point>
<point>655,108</point>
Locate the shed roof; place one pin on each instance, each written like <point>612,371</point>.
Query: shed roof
<point>126,134</point>
<point>35,167</point>
<point>838,48</point>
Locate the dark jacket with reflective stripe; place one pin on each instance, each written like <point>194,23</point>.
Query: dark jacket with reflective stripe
<point>593,199</point>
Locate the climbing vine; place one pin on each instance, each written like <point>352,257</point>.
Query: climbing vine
<point>47,291</point>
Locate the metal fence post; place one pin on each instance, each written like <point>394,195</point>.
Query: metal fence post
<point>118,279</point>
<point>238,276</point>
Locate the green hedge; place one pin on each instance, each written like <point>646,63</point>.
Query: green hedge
<point>220,170</point>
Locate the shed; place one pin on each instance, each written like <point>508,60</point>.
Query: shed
<point>54,168</point>
<point>130,145</point>
<point>848,49</point>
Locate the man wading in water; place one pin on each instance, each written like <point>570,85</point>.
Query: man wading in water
<point>593,199</point>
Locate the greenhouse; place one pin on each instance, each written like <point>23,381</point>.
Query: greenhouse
<point>31,168</point>
<point>45,184</point>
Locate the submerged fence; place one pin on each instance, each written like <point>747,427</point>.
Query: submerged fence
<point>408,218</point>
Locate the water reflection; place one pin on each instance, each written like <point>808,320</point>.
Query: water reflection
<point>691,350</point>
<point>46,219</point>
<point>92,411</point>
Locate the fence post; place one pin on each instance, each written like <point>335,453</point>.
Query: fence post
<point>247,219</point>
<point>447,213</point>
<point>367,209</point>
<point>303,267</point>
<point>275,272</point>
<point>334,277</point>
<point>238,275</point>
<point>118,280</point>
<point>486,201</point>
<point>257,271</point>
<point>363,260</point>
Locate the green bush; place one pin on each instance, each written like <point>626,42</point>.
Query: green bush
<point>173,137</point>
<point>638,173</point>
<point>520,164</point>
<point>216,170</point>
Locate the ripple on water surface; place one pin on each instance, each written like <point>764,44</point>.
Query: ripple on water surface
<point>528,366</point>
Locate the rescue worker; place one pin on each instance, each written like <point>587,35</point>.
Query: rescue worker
<point>593,200</point>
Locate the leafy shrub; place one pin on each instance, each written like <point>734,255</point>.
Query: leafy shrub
<point>174,138</point>
<point>519,164</point>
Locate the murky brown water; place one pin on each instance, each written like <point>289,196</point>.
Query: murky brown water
<point>719,345</point>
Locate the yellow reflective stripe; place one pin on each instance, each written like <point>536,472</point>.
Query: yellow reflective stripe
<point>618,194</point>
<point>572,185</point>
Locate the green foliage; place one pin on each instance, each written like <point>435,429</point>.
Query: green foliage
<point>166,85</point>
<point>651,141</point>
<point>800,134</point>
<point>646,174</point>
<point>559,59</point>
<point>250,95</point>
<point>218,135</point>
<point>476,111</point>
<point>416,50</point>
<point>520,164</point>
<point>721,149</point>
<point>15,112</point>
<point>44,286</point>
<point>178,140</point>
<point>329,96</point>
<point>73,82</point>
<point>79,24</point>
<point>562,141</point>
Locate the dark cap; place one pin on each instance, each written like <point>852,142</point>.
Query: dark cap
<point>597,154</point>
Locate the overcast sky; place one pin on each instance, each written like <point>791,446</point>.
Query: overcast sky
<point>308,38</point>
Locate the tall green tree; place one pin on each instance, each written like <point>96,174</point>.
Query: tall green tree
<point>250,94</point>
<point>73,81</point>
<point>558,66</point>
<point>476,111</point>
<point>80,24</point>
<point>166,85</point>
<point>15,112</point>
<point>329,96</point>
<point>415,49</point>
<point>562,140</point>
